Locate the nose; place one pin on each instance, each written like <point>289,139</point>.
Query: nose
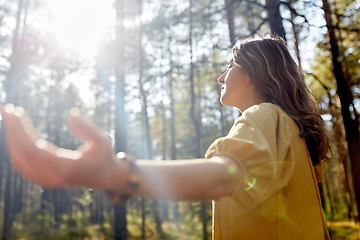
<point>220,80</point>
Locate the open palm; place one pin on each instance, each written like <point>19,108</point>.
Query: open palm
<point>50,166</point>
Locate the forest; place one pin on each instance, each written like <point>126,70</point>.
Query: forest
<point>146,72</point>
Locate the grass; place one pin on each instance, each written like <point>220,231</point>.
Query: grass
<point>344,230</point>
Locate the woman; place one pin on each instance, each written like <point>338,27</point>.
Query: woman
<point>262,176</point>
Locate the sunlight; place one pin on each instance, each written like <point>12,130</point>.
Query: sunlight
<point>80,24</point>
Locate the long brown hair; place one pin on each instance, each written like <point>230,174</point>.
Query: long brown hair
<point>274,73</point>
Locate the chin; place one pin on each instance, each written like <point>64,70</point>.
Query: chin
<point>225,103</point>
<point>222,101</point>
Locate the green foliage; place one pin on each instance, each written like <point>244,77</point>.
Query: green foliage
<point>189,225</point>
<point>344,231</point>
<point>86,198</point>
<point>41,226</point>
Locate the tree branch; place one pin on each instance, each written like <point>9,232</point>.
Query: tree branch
<point>257,4</point>
<point>292,10</point>
<point>317,79</point>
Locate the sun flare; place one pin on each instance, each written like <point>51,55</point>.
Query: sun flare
<point>80,24</point>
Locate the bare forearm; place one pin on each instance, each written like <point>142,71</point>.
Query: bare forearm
<point>197,179</point>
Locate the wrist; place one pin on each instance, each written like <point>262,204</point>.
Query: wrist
<point>127,183</point>
<point>117,175</point>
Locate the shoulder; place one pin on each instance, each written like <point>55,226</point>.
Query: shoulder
<point>264,110</point>
<point>263,114</point>
<point>267,118</point>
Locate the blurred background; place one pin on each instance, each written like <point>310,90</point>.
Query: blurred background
<point>146,71</point>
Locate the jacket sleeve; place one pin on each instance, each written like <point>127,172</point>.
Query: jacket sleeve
<point>260,143</point>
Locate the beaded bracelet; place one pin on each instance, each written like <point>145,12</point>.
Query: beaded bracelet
<point>132,183</point>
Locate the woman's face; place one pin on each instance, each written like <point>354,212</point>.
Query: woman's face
<point>235,87</point>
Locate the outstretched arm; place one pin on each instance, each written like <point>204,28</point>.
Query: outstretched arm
<point>93,163</point>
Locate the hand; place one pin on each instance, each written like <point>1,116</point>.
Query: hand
<point>92,164</point>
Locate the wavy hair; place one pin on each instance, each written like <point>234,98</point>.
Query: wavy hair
<point>274,73</point>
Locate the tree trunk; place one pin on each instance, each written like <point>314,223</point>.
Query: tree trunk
<point>11,81</point>
<point>58,197</point>
<point>250,20</point>
<point>339,133</point>
<point>19,194</point>
<point>351,125</point>
<point>194,116</point>
<point>347,75</point>
<point>8,206</point>
<point>171,96</point>
<point>144,116</point>
<point>274,18</point>
<point>296,38</point>
<point>46,199</point>
<point>143,96</point>
<point>120,230</point>
<point>96,207</point>
<point>176,213</point>
<point>164,204</point>
<point>47,194</point>
<point>230,19</point>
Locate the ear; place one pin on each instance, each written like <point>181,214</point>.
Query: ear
<point>248,80</point>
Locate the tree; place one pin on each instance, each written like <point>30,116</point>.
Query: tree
<point>351,124</point>
<point>120,230</point>
<point>194,115</point>
<point>230,19</point>
<point>274,17</point>
<point>12,78</point>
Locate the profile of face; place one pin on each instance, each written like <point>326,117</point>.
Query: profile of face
<point>237,89</point>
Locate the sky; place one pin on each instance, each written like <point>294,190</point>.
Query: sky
<point>80,24</point>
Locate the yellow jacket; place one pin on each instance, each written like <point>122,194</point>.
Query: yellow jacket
<point>278,197</point>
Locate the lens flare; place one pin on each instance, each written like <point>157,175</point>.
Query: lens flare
<point>250,183</point>
<point>65,153</point>
<point>75,112</point>
<point>41,143</point>
<point>75,155</point>
<point>19,111</point>
<point>9,108</point>
<point>232,169</point>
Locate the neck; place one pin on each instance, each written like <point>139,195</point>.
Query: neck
<point>253,99</point>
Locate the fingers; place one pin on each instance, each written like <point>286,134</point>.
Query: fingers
<point>85,129</point>
<point>33,157</point>
<point>47,164</point>
<point>38,169</point>
<point>19,127</point>
<point>21,132</point>
<point>21,140</point>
